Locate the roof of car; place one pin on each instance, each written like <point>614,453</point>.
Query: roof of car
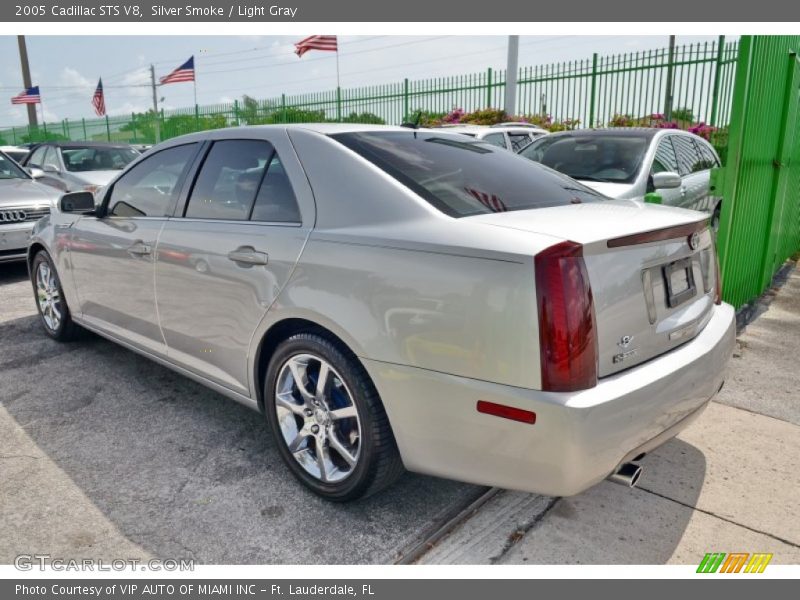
<point>648,132</point>
<point>71,144</point>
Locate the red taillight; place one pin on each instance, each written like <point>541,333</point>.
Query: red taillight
<point>567,331</point>
<point>717,280</point>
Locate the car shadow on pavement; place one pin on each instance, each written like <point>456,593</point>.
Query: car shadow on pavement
<point>613,524</point>
<point>179,470</point>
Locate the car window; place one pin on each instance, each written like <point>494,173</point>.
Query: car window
<point>37,158</point>
<point>97,158</point>
<point>9,169</point>
<point>665,159</point>
<point>689,159</point>
<point>464,177</point>
<point>51,158</point>
<point>709,156</point>
<point>495,139</point>
<point>609,157</point>
<point>276,201</point>
<point>229,179</point>
<point>519,140</point>
<point>151,186</point>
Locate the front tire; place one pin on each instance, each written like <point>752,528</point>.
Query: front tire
<point>328,420</point>
<point>52,306</point>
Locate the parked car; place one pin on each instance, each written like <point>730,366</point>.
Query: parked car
<point>393,298</point>
<point>22,203</point>
<point>628,163</point>
<point>75,166</point>
<point>17,153</point>
<point>512,137</point>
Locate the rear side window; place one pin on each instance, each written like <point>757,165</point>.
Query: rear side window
<point>709,156</point>
<point>276,202</point>
<point>689,159</point>
<point>463,178</point>
<point>495,139</point>
<point>229,179</point>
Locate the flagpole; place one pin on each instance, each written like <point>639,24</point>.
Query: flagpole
<point>338,87</point>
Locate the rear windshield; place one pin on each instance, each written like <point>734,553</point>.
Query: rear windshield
<point>610,158</point>
<point>461,177</point>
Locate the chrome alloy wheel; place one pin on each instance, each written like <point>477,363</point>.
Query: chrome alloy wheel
<point>318,418</point>
<point>48,296</point>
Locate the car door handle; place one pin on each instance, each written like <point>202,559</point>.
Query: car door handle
<point>248,256</point>
<point>140,249</point>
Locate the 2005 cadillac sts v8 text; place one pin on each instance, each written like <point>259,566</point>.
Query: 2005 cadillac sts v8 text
<point>394,298</point>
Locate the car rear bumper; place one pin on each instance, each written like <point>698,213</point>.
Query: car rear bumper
<point>14,240</point>
<point>578,439</point>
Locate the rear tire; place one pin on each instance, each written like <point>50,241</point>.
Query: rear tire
<point>334,436</point>
<point>54,313</point>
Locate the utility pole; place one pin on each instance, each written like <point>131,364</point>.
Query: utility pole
<point>156,122</point>
<point>668,94</point>
<point>511,75</point>
<point>26,79</point>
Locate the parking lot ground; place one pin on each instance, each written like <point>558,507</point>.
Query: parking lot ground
<point>104,454</point>
<point>728,483</point>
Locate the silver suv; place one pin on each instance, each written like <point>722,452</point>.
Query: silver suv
<point>627,163</point>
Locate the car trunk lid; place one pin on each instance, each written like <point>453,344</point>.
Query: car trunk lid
<point>651,270</point>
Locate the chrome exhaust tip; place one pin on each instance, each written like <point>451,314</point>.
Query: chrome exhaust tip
<point>627,474</point>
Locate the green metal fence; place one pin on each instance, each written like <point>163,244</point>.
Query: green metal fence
<point>690,83</point>
<point>760,184</point>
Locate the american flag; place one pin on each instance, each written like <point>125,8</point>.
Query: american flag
<point>490,201</point>
<point>316,42</point>
<point>183,73</point>
<point>29,96</point>
<point>99,100</point>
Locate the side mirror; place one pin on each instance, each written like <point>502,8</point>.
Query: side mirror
<point>77,202</point>
<point>666,180</point>
<point>50,169</point>
<point>35,172</point>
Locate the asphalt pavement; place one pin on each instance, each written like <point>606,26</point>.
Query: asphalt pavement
<point>105,454</point>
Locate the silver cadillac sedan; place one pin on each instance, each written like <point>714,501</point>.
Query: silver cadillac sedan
<point>393,299</point>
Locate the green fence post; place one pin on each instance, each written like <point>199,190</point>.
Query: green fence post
<point>594,91</point>
<point>283,108</point>
<point>338,104</point>
<point>108,129</point>
<point>670,69</point>
<point>405,98</point>
<point>65,128</point>
<point>489,87</point>
<point>717,74</point>
<point>236,112</point>
<point>197,117</point>
<point>83,122</point>
<point>14,135</point>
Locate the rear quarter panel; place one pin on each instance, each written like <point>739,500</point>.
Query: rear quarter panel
<point>461,315</point>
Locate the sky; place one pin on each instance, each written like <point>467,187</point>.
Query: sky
<point>66,68</point>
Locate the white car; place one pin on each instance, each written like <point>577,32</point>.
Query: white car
<point>513,137</point>
<point>628,163</point>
